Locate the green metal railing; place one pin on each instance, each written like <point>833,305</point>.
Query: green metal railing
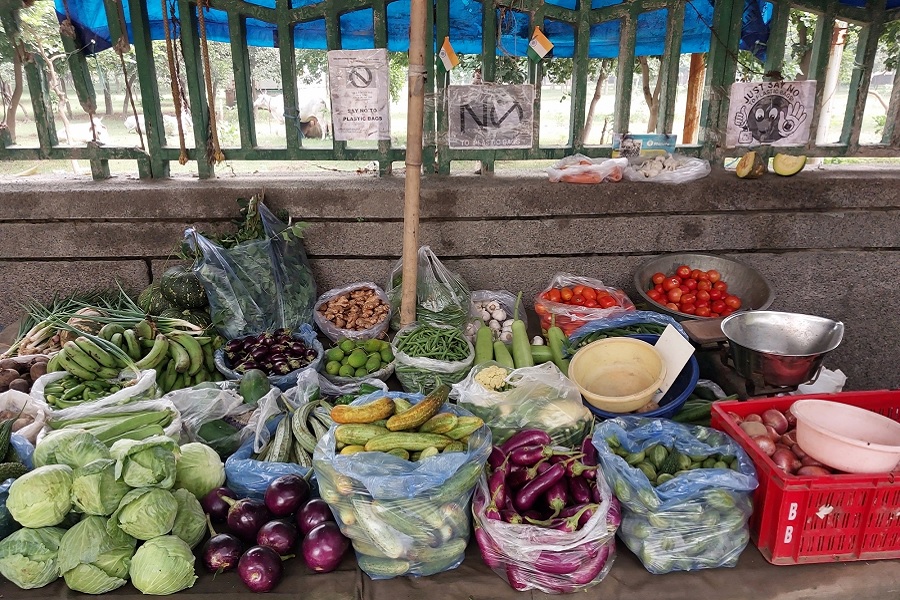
<point>722,68</point>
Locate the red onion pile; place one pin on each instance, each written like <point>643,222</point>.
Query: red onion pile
<point>775,433</point>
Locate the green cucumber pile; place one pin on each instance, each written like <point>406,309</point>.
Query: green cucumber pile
<point>661,464</point>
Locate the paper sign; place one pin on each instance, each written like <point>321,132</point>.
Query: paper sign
<point>630,145</point>
<point>675,351</point>
<point>491,116</point>
<point>360,95</point>
<point>777,113</point>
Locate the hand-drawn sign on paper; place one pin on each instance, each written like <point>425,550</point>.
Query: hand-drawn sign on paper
<point>491,116</point>
<point>772,112</point>
<point>360,97</point>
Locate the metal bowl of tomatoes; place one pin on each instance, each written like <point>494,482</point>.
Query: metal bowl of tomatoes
<point>697,286</point>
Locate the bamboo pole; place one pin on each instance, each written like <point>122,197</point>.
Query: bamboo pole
<point>694,100</point>
<point>414,126</point>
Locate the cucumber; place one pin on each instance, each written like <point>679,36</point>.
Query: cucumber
<point>484,345</point>
<point>541,354</point>
<point>502,355</point>
<point>442,553</point>
<point>390,541</point>
<point>358,434</point>
<point>382,567</point>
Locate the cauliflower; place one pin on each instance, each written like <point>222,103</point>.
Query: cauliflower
<point>492,378</point>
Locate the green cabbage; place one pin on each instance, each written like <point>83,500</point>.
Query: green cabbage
<point>45,451</point>
<point>80,449</point>
<point>41,497</point>
<point>28,557</point>
<point>162,566</point>
<point>93,557</point>
<point>95,490</point>
<point>199,469</point>
<point>146,513</point>
<point>149,462</point>
<point>190,522</point>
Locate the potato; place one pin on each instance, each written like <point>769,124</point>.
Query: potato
<point>8,363</point>
<point>40,359</point>
<point>20,385</point>
<point>7,376</point>
<point>38,369</point>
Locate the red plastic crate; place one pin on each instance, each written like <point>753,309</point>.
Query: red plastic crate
<point>798,520</point>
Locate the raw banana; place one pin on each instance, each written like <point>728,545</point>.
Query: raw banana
<point>73,352</point>
<point>180,356</point>
<point>167,377</point>
<point>193,349</point>
<point>96,352</point>
<point>132,347</point>
<point>109,330</point>
<point>144,330</point>
<point>156,354</point>
<point>74,368</point>
<point>118,339</point>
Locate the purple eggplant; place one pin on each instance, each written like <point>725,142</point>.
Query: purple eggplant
<point>526,437</point>
<point>596,493</point>
<point>614,515</point>
<point>568,524</point>
<point>518,579</point>
<point>497,489</point>
<point>592,568</point>
<point>532,514</point>
<point>572,510</point>
<point>528,456</point>
<point>561,563</point>
<point>517,477</point>
<point>531,491</point>
<point>576,468</point>
<point>580,490</point>
<point>496,458</point>
<point>511,516</point>
<point>490,554</point>
<point>590,457</point>
<point>557,496</point>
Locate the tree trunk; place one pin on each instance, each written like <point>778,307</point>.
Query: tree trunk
<point>64,100</point>
<point>598,93</point>
<point>16,96</point>
<point>651,97</point>
<point>691,129</point>
<point>806,57</point>
<point>129,84</point>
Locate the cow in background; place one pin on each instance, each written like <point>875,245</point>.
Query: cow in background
<point>170,124</point>
<point>313,114</point>
<point>81,133</point>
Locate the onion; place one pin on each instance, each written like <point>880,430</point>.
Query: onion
<point>772,433</point>
<point>776,420</point>
<point>780,446</point>
<point>789,438</point>
<point>737,418</point>
<point>785,460</point>
<point>812,471</point>
<point>791,419</point>
<point>809,461</point>
<point>765,444</point>
<point>798,451</point>
<point>753,419</point>
<point>754,429</point>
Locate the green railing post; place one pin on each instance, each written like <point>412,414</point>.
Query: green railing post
<point>150,93</point>
<point>720,73</point>
<point>429,148</point>
<point>196,84</point>
<point>441,83</point>
<point>243,86</point>
<point>778,28</point>
<point>379,25</point>
<point>670,66</point>
<point>818,67</point>
<point>580,69</point>
<point>858,93</point>
<point>625,73</point>
<point>41,103</point>
<point>891,133</point>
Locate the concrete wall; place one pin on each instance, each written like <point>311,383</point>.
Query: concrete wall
<point>828,241</point>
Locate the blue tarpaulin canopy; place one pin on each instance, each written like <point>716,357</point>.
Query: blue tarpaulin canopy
<point>89,18</point>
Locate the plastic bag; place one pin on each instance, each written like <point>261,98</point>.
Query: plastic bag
<point>516,552</point>
<point>419,374</point>
<point>826,382</point>
<point>103,407</point>
<point>258,285</point>
<point>697,519</point>
<point>143,389</point>
<point>333,389</point>
<point>404,518</point>
<point>275,403</point>
<point>540,397</point>
<point>667,169</point>
<point>284,382</point>
<point>442,297</point>
<point>333,332</point>
<point>210,402</point>
<point>505,301</point>
<point>579,168</point>
<point>569,317</point>
<point>583,335</point>
<point>12,403</point>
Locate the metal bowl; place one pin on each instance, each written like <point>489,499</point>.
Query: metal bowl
<point>743,280</point>
<point>786,349</point>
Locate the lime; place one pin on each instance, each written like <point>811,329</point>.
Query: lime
<point>334,354</point>
<point>332,367</point>
<point>347,346</point>
<point>386,355</point>
<point>357,358</point>
<point>373,345</point>
<point>361,372</point>
<point>374,363</point>
<point>346,371</point>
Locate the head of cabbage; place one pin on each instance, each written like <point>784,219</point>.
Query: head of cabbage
<point>42,497</point>
<point>28,556</point>
<point>190,521</point>
<point>94,558</point>
<point>72,447</point>
<point>145,513</point>
<point>199,469</point>
<point>162,566</point>
<point>95,490</point>
<point>144,463</point>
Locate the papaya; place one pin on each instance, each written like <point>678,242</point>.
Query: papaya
<point>787,164</point>
<point>254,385</point>
<point>751,166</point>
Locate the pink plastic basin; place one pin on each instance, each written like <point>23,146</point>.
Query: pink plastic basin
<point>847,438</point>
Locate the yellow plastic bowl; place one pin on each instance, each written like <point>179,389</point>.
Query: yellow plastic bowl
<point>617,374</point>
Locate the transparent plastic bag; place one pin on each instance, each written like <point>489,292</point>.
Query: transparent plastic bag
<point>539,397</point>
<point>695,520</point>
<point>143,389</point>
<point>209,402</point>
<point>32,413</point>
<point>104,407</point>
<point>420,374</point>
<point>554,562</point>
<point>569,317</point>
<point>333,332</point>
<point>674,168</point>
<point>334,389</point>
<point>583,335</point>
<point>258,285</point>
<point>579,168</point>
<point>482,300</point>
<point>284,382</point>
<point>442,297</point>
<point>403,518</point>
<point>275,403</point>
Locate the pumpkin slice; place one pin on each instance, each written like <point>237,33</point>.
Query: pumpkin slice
<point>787,165</point>
<point>751,166</point>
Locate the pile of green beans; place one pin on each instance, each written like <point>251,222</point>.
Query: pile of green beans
<point>646,328</point>
<point>439,343</point>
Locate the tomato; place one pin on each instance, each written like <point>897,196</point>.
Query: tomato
<point>577,290</point>
<point>654,295</point>
<point>714,314</point>
<point>720,285</point>
<point>702,304</point>
<point>702,311</point>
<point>688,298</point>
<point>717,306</point>
<point>602,292</point>
<point>566,294</point>
<point>688,308</point>
<point>658,278</point>
<point>672,305</point>
<point>695,274</point>
<point>715,294</point>
<point>540,309</point>
<point>727,311</point>
<point>553,295</point>
<point>589,293</point>
<point>713,275</point>
<point>703,276</point>
<point>684,289</point>
<point>607,302</point>
<point>704,285</point>
<point>671,282</point>
<point>657,287</point>
<point>674,295</point>
<point>703,295</point>
<point>691,283</point>
<point>578,300</point>
<point>733,302</point>
<point>683,271</point>
<point>593,303</point>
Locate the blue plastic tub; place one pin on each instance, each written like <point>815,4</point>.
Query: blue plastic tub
<point>677,395</point>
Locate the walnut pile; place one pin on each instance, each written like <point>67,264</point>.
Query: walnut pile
<point>357,310</point>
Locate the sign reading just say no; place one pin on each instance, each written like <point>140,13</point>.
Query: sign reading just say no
<point>491,116</point>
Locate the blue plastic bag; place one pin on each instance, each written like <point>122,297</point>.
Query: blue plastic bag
<point>25,451</point>
<point>634,317</point>
<point>403,511</point>
<point>697,519</point>
<point>283,382</point>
